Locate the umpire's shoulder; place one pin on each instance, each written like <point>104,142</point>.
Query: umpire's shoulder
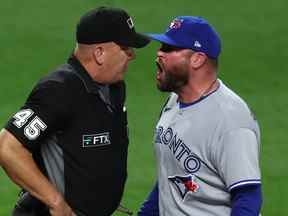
<point>62,77</point>
<point>63,74</point>
<point>61,83</point>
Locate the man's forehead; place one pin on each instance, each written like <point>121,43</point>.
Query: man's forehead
<point>106,45</point>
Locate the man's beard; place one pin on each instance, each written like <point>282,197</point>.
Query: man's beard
<point>173,82</point>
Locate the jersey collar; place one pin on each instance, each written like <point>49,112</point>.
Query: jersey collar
<point>91,85</point>
<point>184,105</point>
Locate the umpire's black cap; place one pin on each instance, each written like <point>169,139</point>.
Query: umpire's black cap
<point>105,24</point>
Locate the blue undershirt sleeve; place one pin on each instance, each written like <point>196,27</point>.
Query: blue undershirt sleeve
<point>246,200</point>
<point>150,207</point>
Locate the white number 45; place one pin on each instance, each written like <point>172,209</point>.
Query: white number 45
<point>32,130</point>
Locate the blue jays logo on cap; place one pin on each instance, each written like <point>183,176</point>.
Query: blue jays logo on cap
<point>175,24</point>
<point>184,184</point>
<point>190,32</point>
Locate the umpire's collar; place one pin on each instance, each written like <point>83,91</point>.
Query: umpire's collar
<point>91,85</point>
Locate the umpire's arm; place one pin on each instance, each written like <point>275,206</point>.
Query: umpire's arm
<point>19,165</point>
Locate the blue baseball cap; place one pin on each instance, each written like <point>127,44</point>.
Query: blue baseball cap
<point>193,33</point>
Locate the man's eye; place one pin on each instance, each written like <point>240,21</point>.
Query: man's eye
<point>124,48</point>
<point>168,48</point>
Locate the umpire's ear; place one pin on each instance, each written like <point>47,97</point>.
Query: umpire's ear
<point>198,59</point>
<point>98,55</point>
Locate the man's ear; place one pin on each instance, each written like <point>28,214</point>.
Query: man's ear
<point>197,59</point>
<point>98,55</point>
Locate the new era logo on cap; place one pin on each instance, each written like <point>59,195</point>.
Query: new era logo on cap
<point>197,44</point>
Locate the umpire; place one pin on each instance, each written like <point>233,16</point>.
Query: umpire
<point>67,146</point>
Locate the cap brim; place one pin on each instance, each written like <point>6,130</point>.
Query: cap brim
<point>137,40</point>
<point>163,39</point>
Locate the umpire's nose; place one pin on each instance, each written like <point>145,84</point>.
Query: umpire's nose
<point>130,53</point>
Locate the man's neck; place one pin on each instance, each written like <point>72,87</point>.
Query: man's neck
<point>193,91</point>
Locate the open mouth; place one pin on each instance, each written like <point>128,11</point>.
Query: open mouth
<point>160,70</point>
<point>159,67</point>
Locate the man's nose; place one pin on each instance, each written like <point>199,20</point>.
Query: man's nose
<point>160,53</point>
<point>130,53</point>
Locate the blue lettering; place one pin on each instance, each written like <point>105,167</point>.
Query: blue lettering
<point>184,150</point>
<point>167,136</point>
<point>174,144</point>
<point>158,133</point>
<point>192,164</point>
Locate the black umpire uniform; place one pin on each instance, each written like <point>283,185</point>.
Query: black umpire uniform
<point>76,130</point>
<point>81,127</point>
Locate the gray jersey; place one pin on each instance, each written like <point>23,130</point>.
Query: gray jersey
<point>203,151</point>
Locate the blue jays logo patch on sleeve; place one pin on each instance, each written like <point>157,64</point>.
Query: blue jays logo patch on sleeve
<point>95,140</point>
<point>184,184</point>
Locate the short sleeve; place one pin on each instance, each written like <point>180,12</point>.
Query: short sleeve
<point>46,110</point>
<point>238,158</point>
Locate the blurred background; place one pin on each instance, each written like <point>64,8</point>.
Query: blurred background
<point>36,36</point>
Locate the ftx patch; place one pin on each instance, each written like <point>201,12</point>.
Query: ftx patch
<point>95,140</point>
